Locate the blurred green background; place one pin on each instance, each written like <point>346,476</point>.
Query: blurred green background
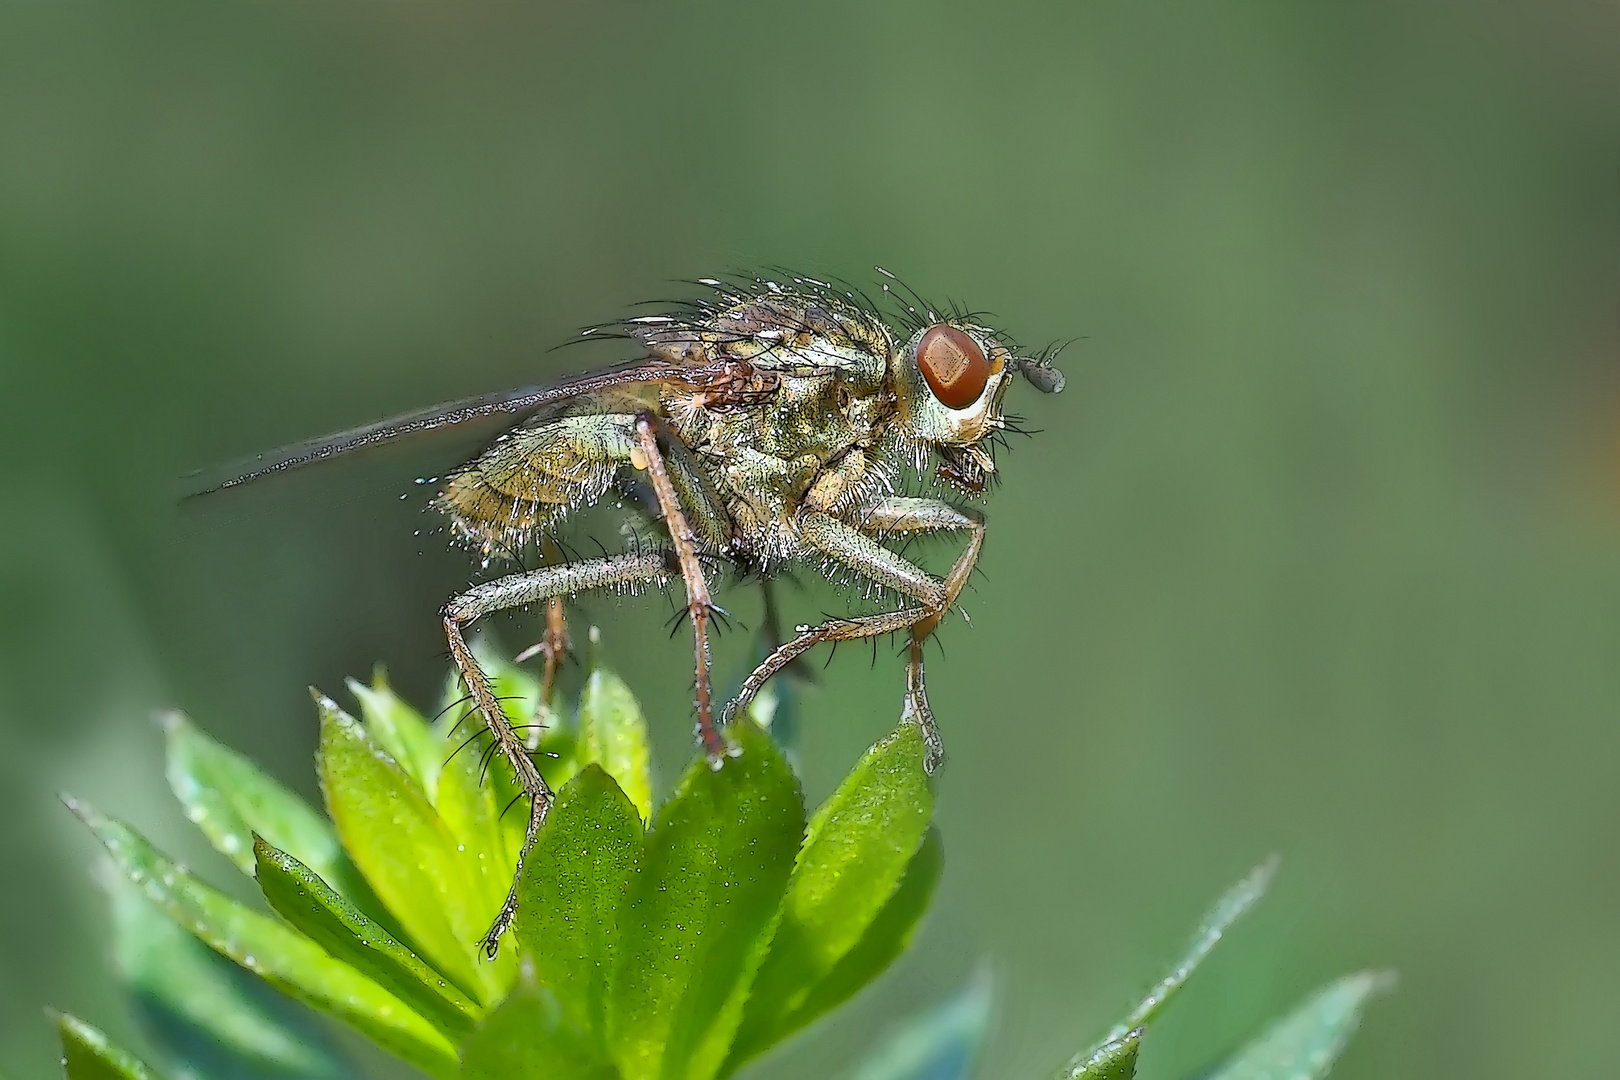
<point>1319,553</point>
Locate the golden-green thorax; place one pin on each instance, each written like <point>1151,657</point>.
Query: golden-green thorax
<point>809,446</point>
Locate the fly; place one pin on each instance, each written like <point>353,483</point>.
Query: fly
<point>764,426</point>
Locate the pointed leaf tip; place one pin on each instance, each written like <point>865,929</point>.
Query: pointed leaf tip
<point>311,906</point>
<point>613,734</point>
<point>1113,1060</point>
<point>229,798</point>
<point>402,732</point>
<point>1304,1044</point>
<point>1216,922</point>
<point>573,884</point>
<point>87,1054</point>
<point>409,856</point>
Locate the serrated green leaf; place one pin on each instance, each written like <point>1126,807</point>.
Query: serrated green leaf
<point>855,854</point>
<point>87,1054</point>
<point>265,946</point>
<point>528,1037</point>
<point>573,886</point>
<point>885,939</point>
<point>1217,921</point>
<point>1113,1060</point>
<point>229,798</point>
<point>699,911</point>
<point>408,855</point>
<point>298,895</point>
<point>941,1044</point>
<point>402,732</point>
<point>1304,1044</point>
<point>204,1011</point>
<point>613,734</point>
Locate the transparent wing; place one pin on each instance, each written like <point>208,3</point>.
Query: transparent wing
<point>512,404</point>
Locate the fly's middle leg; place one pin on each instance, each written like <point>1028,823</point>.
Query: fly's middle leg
<point>545,584</point>
<point>553,643</point>
<point>833,630</point>
<point>699,604</point>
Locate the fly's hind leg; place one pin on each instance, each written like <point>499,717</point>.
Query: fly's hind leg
<point>545,584</point>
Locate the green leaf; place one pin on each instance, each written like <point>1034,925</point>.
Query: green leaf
<point>699,911</point>
<point>1304,1044</point>
<point>265,946</point>
<point>1217,921</point>
<point>855,854</point>
<point>941,1044</point>
<point>613,734</point>
<point>87,1054</point>
<point>408,855</point>
<point>528,1037</point>
<point>298,895</point>
<point>1113,1060</point>
<point>885,939</point>
<point>573,886</point>
<point>229,799</point>
<point>401,732</point>
<point>208,1013</point>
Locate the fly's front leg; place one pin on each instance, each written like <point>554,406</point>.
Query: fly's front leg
<point>859,552</point>
<point>901,514</point>
<point>546,583</point>
<point>699,604</point>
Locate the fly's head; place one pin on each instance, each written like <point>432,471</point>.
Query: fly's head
<point>949,380</point>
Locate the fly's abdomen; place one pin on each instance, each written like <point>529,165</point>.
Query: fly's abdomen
<point>530,478</point>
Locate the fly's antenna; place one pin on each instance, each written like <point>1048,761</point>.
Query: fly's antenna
<point>1040,371</point>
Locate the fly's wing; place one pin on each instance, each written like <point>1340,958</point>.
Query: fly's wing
<point>515,405</point>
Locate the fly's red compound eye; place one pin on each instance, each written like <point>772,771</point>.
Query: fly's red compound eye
<point>953,364</point>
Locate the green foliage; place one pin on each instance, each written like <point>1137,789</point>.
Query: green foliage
<point>1305,1043</point>
<point>653,942</point>
<point>943,1043</point>
<point>87,1054</point>
<point>635,946</point>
